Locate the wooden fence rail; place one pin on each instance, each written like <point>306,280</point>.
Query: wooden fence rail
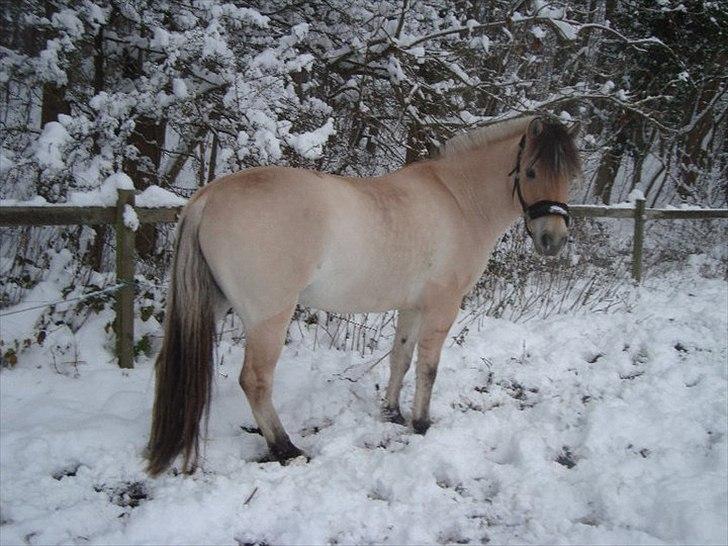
<point>58,215</point>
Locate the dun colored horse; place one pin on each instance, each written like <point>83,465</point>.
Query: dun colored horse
<point>416,240</point>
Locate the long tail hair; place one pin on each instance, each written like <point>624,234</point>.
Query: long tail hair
<point>184,365</point>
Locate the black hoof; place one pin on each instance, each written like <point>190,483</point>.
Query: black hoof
<point>393,415</point>
<point>286,452</point>
<point>420,426</point>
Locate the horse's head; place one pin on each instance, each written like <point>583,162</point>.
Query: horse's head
<point>547,162</point>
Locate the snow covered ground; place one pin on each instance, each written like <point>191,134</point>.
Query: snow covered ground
<point>589,429</point>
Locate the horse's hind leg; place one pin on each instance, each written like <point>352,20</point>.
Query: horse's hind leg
<point>263,346</point>
<point>405,339</point>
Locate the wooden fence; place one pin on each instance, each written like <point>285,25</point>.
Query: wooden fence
<point>58,215</point>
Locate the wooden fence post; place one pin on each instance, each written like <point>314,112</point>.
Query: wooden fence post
<point>124,274</point>
<point>638,239</point>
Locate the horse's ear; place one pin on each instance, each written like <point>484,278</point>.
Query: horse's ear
<point>535,128</point>
<point>575,129</point>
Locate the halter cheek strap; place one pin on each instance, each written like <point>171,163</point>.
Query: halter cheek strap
<point>540,208</point>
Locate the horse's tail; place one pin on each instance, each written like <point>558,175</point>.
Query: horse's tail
<point>184,365</point>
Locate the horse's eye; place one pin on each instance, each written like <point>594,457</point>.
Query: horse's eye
<point>530,173</point>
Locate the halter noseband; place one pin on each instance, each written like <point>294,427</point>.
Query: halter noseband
<point>540,208</point>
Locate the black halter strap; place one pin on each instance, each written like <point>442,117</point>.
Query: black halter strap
<point>540,208</point>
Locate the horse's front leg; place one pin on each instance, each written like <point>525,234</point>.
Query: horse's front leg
<point>405,339</point>
<point>435,327</point>
<point>263,344</point>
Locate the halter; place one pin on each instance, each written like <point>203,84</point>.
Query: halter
<point>540,208</point>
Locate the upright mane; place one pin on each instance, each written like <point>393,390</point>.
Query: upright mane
<point>485,135</point>
<point>551,145</point>
<point>554,149</point>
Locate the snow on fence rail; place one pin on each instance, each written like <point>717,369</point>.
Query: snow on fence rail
<point>161,206</point>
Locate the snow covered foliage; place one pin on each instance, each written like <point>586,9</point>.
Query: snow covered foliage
<point>124,82</point>
<point>177,93</point>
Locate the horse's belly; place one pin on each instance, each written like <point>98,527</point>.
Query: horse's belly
<point>354,292</point>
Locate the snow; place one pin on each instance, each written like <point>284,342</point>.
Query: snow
<point>47,291</point>
<point>266,59</point>
<point>636,195</point>
<point>538,32</point>
<point>131,220</point>
<point>50,145</point>
<point>301,62</point>
<point>480,42</point>
<point>246,15</point>
<point>49,64</point>
<point>179,88</point>
<point>567,31</point>
<point>394,69</point>
<point>685,206</point>
<point>106,195</point>
<point>300,31</point>
<point>310,145</point>
<point>582,429</point>
<point>417,52</point>
<point>6,160</point>
<point>214,45</point>
<point>565,117</point>
<point>67,21</point>
<point>35,201</point>
<point>161,38</point>
<point>607,87</point>
<point>462,74</point>
<point>154,196</point>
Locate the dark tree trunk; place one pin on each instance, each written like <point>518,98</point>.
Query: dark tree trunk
<point>213,159</point>
<point>604,178</point>
<point>54,97</point>
<point>148,139</point>
<point>640,151</point>
<point>96,253</point>
<point>54,103</point>
<point>185,149</point>
<point>695,157</point>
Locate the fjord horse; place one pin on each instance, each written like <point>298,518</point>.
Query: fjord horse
<point>266,239</point>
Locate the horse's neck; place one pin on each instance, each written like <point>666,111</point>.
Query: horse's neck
<point>480,181</point>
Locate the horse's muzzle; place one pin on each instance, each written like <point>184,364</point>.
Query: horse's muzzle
<point>549,244</point>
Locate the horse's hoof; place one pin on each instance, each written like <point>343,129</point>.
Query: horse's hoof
<point>420,426</point>
<point>393,415</point>
<point>287,452</point>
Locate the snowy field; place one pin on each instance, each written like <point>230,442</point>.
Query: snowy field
<point>585,429</point>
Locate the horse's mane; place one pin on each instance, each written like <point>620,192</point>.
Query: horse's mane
<point>553,147</point>
<point>477,138</point>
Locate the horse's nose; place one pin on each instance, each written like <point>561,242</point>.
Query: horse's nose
<point>551,245</point>
<point>546,241</point>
